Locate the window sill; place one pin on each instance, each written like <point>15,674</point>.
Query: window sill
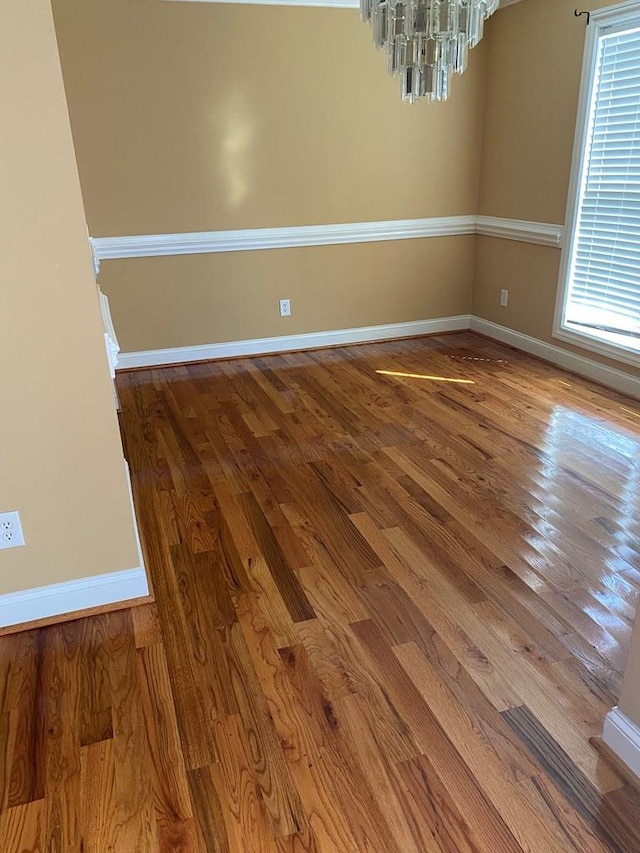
<point>615,351</point>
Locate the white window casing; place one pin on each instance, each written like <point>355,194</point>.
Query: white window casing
<point>598,304</point>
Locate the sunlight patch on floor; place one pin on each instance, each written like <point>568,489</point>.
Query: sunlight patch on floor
<point>425,376</point>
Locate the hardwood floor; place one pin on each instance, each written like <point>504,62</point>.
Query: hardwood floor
<point>394,592</point>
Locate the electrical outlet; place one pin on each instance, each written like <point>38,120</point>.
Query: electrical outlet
<point>11,535</point>
<point>285,307</point>
<point>504,298</point>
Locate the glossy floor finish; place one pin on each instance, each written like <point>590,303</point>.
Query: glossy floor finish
<point>391,611</point>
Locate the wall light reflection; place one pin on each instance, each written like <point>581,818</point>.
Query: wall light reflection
<point>236,146</point>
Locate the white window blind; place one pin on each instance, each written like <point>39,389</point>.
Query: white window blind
<point>603,296</point>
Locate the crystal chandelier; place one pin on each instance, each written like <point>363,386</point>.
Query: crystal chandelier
<point>427,40</point>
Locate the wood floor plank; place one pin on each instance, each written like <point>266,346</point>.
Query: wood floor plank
<point>95,689</point>
<point>521,557</point>
<point>244,809</point>
<point>8,731</point>
<point>205,598</point>
<point>178,837</point>
<point>327,518</point>
<point>596,634</point>
<point>266,758</point>
<point>259,579</point>
<point>169,779</point>
<point>61,714</point>
<point>231,570</point>
<point>26,753</point>
<point>327,588</point>
<point>98,806</point>
<point>209,821</point>
<point>135,813</point>
<point>191,519</point>
<point>301,842</point>
<point>285,578</point>
<point>291,546</point>
<point>324,655</point>
<point>22,828</point>
<point>146,625</point>
<point>9,719</point>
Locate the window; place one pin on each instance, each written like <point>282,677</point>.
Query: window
<point>599,293</point>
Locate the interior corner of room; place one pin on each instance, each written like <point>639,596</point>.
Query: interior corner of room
<point>219,173</point>
<point>207,204</point>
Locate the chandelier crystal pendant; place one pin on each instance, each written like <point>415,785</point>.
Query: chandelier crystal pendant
<point>427,40</point>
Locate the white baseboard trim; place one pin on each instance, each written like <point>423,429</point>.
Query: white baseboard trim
<point>540,233</point>
<point>288,343</point>
<point>623,737</point>
<point>17,608</point>
<point>252,239</point>
<point>110,339</point>
<point>609,376</point>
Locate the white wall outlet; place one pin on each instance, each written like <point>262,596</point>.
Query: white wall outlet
<point>11,535</point>
<point>504,298</point>
<point>285,307</point>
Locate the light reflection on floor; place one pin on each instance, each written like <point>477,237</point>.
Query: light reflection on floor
<point>583,444</point>
<point>425,376</point>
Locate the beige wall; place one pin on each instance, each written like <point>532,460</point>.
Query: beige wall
<point>198,117</point>
<point>534,68</point>
<point>533,76</point>
<point>202,299</point>
<point>206,116</point>
<point>60,456</point>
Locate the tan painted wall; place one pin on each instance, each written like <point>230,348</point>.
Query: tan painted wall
<point>534,68</point>
<point>202,299</point>
<point>195,116</point>
<point>60,455</point>
<point>533,76</point>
